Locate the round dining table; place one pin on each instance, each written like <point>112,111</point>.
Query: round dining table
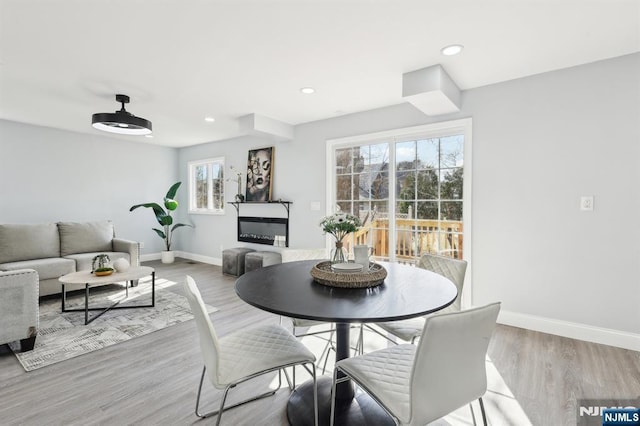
<point>288,289</point>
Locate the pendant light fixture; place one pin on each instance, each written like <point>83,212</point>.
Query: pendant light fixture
<point>122,121</point>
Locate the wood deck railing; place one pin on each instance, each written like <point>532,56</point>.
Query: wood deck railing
<point>414,238</point>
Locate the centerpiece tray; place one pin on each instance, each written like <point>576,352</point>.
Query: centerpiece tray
<point>322,273</point>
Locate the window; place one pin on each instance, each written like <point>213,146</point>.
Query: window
<point>429,187</point>
<point>410,187</point>
<point>206,186</point>
<point>362,189</point>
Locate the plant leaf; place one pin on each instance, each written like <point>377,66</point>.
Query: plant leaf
<point>179,225</point>
<point>165,220</point>
<point>159,211</point>
<point>160,233</point>
<point>171,194</point>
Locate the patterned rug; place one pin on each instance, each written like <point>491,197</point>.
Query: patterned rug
<point>62,336</point>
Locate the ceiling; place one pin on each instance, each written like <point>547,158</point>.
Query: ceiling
<point>182,60</point>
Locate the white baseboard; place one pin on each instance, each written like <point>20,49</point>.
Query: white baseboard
<point>185,255</point>
<point>200,258</point>
<point>605,336</point>
<point>150,256</point>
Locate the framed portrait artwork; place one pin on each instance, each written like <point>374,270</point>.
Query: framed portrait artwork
<point>259,174</point>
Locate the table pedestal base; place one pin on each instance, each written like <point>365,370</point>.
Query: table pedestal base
<point>361,410</point>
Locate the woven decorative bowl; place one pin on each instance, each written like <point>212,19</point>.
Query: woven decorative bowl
<point>323,274</point>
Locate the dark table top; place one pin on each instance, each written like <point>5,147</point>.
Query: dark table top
<point>288,289</point>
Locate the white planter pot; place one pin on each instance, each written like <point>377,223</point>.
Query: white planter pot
<point>167,256</point>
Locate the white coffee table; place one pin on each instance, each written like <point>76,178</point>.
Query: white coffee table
<point>89,280</point>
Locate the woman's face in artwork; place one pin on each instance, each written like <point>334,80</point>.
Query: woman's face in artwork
<point>260,167</point>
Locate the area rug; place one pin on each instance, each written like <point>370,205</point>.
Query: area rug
<point>62,336</point>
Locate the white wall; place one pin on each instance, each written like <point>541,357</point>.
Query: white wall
<point>539,143</point>
<point>50,175</point>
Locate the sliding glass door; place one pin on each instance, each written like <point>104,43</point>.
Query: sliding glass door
<point>407,187</point>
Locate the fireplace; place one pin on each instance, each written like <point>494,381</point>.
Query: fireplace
<point>262,230</point>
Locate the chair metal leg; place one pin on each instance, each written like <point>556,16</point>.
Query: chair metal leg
<point>333,398</point>
<point>380,334</point>
<point>484,415</point>
<point>313,371</point>
<point>222,408</point>
<point>293,368</point>
<point>286,375</point>
<point>360,345</point>
<point>224,397</point>
<point>204,370</point>
<point>335,382</point>
<point>294,375</point>
<point>324,366</point>
<point>325,351</point>
<point>315,394</point>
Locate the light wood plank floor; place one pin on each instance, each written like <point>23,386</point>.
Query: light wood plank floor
<point>152,380</point>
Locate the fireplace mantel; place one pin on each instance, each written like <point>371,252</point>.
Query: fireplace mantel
<point>285,204</point>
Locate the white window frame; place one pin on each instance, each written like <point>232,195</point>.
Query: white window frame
<point>463,126</point>
<point>191,168</point>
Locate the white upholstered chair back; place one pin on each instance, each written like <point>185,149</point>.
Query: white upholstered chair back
<point>449,369</point>
<point>448,267</point>
<point>206,333</point>
<point>292,255</point>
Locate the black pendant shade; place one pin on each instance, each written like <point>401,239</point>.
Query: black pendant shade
<point>122,121</point>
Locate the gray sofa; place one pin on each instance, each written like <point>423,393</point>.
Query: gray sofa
<point>56,249</point>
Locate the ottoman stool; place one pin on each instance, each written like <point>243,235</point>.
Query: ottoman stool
<point>259,259</point>
<point>233,260</point>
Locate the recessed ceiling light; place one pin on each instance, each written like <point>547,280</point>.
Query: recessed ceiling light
<point>452,49</point>
<point>209,119</point>
<point>308,90</point>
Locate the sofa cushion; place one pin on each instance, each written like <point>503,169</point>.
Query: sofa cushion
<point>84,260</point>
<point>53,267</point>
<point>85,237</point>
<point>25,242</point>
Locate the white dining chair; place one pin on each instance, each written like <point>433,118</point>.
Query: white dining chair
<point>409,330</point>
<point>245,354</point>
<point>300,327</point>
<point>417,384</point>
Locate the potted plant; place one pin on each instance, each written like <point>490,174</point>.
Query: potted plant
<point>339,225</point>
<point>165,220</point>
<point>100,265</point>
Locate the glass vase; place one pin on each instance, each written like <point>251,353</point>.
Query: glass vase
<point>338,254</point>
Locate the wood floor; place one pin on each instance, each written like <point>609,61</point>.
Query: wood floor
<point>152,380</point>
